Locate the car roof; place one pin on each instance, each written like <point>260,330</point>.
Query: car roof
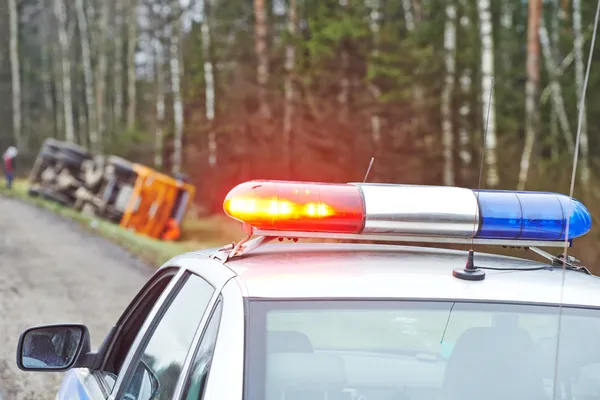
<point>371,271</point>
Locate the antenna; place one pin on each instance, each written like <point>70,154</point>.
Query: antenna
<point>369,169</point>
<point>565,259</point>
<point>471,272</point>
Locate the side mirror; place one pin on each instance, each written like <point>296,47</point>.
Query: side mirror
<point>52,348</point>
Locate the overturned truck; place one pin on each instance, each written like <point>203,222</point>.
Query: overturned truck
<point>137,197</point>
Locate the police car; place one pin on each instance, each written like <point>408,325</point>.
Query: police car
<point>352,320</point>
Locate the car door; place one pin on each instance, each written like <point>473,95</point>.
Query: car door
<point>194,385</point>
<point>83,383</point>
<point>157,358</point>
<point>214,370</point>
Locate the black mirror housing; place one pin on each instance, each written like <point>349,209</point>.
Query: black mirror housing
<point>54,348</point>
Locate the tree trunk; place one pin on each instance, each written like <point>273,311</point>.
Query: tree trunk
<point>579,78</point>
<point>532,88</point>
<point>555,88</point>
<point>554,44</point>
<point>344,94</point>
<point>409,18</point>
<point>118,64</point>
<point>564,14</point>
<point>59,118</point>
<point>488,97</point>
<point>63,42</point>
<point>464,132</point>
<point>46,64</point>
<point>88,76</point>
<point>290,61</point>
<point>15,72</point>
<point>262,72</point>
<point>177,102</point>
<point>375,22</point>
<point>411,21</point>
<point>209,87</point>
<point>101,71</point>
<point>131,76</point>
<point>506,21</point>
<point>448,91</point>
<point>160,105</point>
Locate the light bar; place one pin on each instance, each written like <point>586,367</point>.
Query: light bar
<point>297,206</point>
<point>378,210</point>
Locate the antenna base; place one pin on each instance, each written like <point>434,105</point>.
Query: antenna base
<point>470,272</point>
<point>469,275</point>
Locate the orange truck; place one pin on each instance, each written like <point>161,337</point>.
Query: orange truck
<point>135,196</point>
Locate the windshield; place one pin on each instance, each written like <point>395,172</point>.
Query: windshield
<point>390,350</point>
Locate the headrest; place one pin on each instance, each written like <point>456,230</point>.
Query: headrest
<point>314,371</point>
<point>578,345</point>
<point>288,342</point>
<point>586,384</point>
<point>493,363</point>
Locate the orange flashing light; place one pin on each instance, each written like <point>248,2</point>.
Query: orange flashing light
<point>297,206</point>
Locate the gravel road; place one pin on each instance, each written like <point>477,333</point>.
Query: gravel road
<point>51,271</point>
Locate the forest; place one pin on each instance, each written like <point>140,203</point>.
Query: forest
<point>231,90</point>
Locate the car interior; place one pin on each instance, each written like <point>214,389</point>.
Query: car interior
<point>491,363</point>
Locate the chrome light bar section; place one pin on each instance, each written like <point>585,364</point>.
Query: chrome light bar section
<point>420,211</point>
<point>364,237</point>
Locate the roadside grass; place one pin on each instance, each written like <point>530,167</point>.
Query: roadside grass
<point>196,232</point>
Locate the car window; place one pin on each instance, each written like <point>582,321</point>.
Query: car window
<point>132,320</point>
<point>158,366</point>
<point>196,382</point>
<point>420,350</point>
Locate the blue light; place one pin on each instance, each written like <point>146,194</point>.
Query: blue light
<point>530,216</point>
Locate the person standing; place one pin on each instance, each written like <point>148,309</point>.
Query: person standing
<point>9,167</point>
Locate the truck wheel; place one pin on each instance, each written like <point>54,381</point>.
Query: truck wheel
<point>121,165</point>
<point>48,155</point>
<point>76,151</point>
<point>33,191</point>
<point>71,161</point>
<point>67,147</point>
<point>51,195</point>
<point>52,145</point>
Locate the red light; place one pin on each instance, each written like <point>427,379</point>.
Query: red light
<point>297,206</point>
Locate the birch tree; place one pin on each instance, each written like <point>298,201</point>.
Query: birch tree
<point>506,21</point>
<point>290,61</point>
<point>448,91</point>
<point>262,71</point>
<point>209,89</point>
<point>558,103</point>
<point>102,70</point>
<point>411,19</point>
<point>46,62</point>
<point>375,21</point>
<point>554,42</point>
<point>177,101</point>
<point>488,96</point>
<point>15,72</point>
<point>88,76</point>
<point>532,87</point>
<point>160,104</point>
<point>131,76</point>
<point>344,94</point>
<point>464,130</point>
<point>579,78</point>
<point>63,42</point>
<point>118,63</point>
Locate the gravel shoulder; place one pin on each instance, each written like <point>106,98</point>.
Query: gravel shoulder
<point>51,271</point>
